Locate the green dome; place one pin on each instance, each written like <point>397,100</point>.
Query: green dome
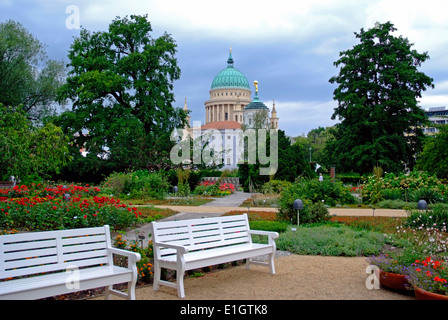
<point>230,77</point>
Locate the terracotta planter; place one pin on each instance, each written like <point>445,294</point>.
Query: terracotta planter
<point>393,281</point>
<point>421,294</point>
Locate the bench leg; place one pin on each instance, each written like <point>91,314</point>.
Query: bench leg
<point>107,292</point>
<point>157,276</point>
<point>247,263</point>
<point>131,290</point>
<point>271,263</point>
<point>180,282</point>
<point>180,270</point>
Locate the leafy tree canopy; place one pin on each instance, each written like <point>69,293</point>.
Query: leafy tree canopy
<point>120,83</point>
<point>377,90</point>
<point>27,77</point>
<point>434,157</point>
<point>29,152</point>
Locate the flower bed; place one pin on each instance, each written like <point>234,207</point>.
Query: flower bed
<point>214,188</point>
<point>408,187</point>
<point>46,209</point>
<point>430,275</point>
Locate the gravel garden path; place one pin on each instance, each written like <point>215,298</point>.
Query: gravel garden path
<point>297,277</point>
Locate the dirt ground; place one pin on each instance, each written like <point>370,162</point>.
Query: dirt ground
<point>297,278</point>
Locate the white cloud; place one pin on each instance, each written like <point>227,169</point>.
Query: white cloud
<point>300,117</point>
<point>429,101</point>
<point>423,23</point>
<point>236,19</point>
<point>436,97</point>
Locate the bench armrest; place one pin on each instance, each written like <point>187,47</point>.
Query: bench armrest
<point>272,234</point>
<point>132,256</point>
<point>179,248</point>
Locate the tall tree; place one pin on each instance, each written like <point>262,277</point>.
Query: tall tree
<point>27,76</point>
<point>378,87</point>
<point>292,159</point>
<point>29,152</point>
<point>120,83</point>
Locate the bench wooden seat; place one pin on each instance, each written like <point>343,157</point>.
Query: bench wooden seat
<point>44,264</point>
<point>196,243</point>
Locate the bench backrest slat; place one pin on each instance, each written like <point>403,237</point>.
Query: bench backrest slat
<point>37,252</point>
<point>201,234</point>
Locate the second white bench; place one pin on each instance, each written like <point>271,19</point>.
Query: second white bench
<point>197,243</point>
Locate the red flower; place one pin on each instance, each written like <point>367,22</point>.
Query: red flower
<point>438,279</point>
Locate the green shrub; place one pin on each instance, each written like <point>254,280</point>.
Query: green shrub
<point>328,240</point>
<point>349,178</point>
<point>391,194</point>
<point>437,217</point>
<point>397,204</point>
<point>183,187</point>
<point>410,186</point>
<point>428,194</point>
<point>312,191</point>
<point>277,226</point>
<point>275,186</point>
<point>138,184</point>
<point>117,183</point>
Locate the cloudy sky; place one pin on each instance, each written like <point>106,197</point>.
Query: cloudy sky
<point>288,46</point>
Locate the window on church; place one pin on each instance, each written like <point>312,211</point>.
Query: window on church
<point>227,116</point>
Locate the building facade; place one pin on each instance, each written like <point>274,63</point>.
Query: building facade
<point>437,115</point>
<point>229,111</point>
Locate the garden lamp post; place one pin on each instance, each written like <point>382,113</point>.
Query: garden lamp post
<point>422,205</point>
<point>298,205</point>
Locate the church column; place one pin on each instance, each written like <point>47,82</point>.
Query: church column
<point>207,117</point>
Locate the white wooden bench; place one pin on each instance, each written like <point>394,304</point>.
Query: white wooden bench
<point>44,264</point>
<point>197,243</point>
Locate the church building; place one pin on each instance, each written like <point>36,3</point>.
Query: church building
<point>230,110</point>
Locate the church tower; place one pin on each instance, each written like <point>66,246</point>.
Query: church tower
<point>274,118</point>
<point>188,115</point>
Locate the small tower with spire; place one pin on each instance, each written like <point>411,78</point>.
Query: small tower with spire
<point>274,119</point>
<point>188,114</point>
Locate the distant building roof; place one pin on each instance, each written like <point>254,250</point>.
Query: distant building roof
<point>437,109</point>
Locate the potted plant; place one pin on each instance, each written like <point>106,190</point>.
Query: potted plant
<point>394,267</point>
<point>429,278</point>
